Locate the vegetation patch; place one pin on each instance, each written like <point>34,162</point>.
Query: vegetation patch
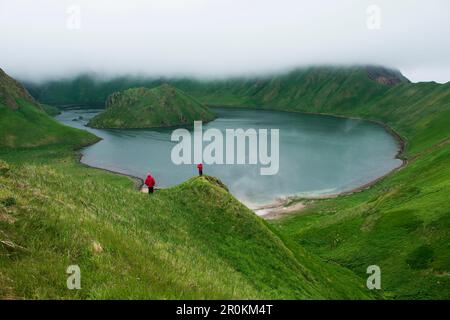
<point>8,202</point>
<point>4,168</point>
<point>420,258</point>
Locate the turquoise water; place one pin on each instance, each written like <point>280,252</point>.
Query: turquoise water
<point>319,155</point>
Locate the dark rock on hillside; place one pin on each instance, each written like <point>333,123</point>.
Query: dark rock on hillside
<point>386,76</point>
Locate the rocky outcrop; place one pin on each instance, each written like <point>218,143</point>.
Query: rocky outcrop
<point>11,90</point>
<point>386,76</point>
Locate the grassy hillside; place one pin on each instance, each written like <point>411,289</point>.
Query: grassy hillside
<point>30,127</point>
<point>191,241</point>
<point>402,224</point>
<point>24,123</point>
<point>162,106</point>
<point>50,110</point>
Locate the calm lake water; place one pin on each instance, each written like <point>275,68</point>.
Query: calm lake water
<point>319,155</point>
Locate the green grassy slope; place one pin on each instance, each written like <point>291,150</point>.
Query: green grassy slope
<point>50,110</point>
<point>30,127</point>
<point>146,108</point>
<point>24,123</point>
<point>401,224</point>
<point>191,241</point>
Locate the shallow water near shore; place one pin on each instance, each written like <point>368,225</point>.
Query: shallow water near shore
<point>319,155</point>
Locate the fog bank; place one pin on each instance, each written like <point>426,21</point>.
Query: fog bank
<point>49,39</point>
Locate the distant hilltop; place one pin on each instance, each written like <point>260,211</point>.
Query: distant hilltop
<point>162,106</point>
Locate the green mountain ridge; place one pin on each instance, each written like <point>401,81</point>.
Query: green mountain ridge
<point>162,106</point>
<point>90,89</point>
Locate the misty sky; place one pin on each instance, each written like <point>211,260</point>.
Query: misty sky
<point>45,39</point>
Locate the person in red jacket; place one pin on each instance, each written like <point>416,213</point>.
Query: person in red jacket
<point>200,169</point>
<point>150,183</point>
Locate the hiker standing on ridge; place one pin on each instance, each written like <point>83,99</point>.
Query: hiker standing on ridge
<point>150,183</point>
<point>200,169</point>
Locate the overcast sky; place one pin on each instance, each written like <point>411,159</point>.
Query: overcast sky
<point>42,39</point>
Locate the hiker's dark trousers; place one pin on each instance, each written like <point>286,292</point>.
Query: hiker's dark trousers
<point>150,190</point>
<point>200,172</point>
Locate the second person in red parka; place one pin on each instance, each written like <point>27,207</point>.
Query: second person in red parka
<point>200,169</point>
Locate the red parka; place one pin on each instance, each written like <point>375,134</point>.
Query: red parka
<point>150,182</point>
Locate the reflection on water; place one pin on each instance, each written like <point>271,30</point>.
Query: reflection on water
<point>318,154</point>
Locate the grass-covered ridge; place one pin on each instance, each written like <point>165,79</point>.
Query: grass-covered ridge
<point>191,241</point>
<point>162,106</point>
<point>24,122</point>
<point>307,84</point>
